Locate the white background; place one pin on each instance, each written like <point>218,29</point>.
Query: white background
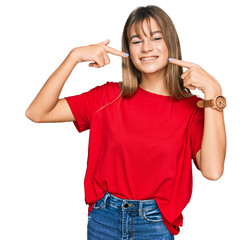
<point>43,165</point>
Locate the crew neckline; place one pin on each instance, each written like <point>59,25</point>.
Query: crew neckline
<point>153,95</point>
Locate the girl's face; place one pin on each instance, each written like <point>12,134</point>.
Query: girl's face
<point>149,53</point>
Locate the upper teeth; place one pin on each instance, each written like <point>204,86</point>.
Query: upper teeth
<point>148,58</point>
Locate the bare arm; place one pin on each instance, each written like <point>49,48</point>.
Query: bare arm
<point>211,157</point>
<point>47,107</point>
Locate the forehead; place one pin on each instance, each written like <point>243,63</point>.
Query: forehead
<point>144,27</point>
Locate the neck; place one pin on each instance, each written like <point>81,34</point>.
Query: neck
<point>155,83</point>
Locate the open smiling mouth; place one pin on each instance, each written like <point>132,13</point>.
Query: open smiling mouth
<point>148,59</point>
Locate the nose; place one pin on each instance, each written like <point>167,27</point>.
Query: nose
<point>147,46</point>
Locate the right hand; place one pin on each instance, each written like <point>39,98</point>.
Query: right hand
<point>97,53</point>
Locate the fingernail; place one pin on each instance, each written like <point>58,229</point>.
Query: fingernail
<point>126,54</point>
<point>170,59</point>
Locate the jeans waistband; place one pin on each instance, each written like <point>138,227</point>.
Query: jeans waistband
<point>128,204</point>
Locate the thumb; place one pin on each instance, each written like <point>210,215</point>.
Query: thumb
<point>106,42</point>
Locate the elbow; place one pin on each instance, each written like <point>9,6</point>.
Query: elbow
<point>212,166</point>
<point>214,173</point>
<point>31,116</point>
<point>212,177</point>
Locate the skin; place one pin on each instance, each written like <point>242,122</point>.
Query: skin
<point>47,107</point>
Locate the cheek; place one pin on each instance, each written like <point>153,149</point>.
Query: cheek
<point>164,50</point>
<point>164,53</point>
<point>133,59</point>
<point>133,55</point>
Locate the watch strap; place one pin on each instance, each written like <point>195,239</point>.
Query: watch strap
<point>205,103</point>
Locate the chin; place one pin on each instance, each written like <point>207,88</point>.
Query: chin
<point>151,67</point>
<point>151,70</point>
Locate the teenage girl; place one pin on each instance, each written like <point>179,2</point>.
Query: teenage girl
<point>144,130</point>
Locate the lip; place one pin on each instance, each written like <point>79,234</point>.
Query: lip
<point>153,58</point>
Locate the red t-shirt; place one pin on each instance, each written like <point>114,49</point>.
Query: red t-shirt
<point>140,148</point>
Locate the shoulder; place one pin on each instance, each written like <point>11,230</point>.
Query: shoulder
<point>190,102</point>
<point>194,99</point>
<point>187,106</point>
<point>106,92</point>
<point>107,88</point>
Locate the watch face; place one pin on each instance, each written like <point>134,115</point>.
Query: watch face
<point>220,102</point>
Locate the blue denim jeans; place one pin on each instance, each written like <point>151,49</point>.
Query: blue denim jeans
<point>114,218</point>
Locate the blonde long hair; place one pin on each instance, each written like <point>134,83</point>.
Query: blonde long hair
<point>131,76</point>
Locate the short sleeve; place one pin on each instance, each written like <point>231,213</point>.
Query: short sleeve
<point>83,106</point>
<point>196,133</point>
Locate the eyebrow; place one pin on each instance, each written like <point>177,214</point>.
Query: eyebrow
<point>152,33</point>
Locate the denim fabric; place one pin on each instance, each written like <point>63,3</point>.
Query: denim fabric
<point>114,218</point>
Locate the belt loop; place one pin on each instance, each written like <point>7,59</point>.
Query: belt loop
<point>106,196</point>
<point>140,208</point>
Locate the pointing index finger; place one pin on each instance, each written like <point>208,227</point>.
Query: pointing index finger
<point>116,52</point>
<point>181,63</point>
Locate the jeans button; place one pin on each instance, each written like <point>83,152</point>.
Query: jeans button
<point>126,205</point>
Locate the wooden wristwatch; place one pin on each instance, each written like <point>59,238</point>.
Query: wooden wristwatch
<point>218,102</point>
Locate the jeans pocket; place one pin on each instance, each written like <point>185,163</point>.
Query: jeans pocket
<point>98,204</point>
<point>153,215</point>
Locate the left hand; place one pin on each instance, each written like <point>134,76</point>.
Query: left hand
<point>197,77</point>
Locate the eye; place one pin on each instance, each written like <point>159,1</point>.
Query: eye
<point>157,38</point>
<point>136,42</point>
